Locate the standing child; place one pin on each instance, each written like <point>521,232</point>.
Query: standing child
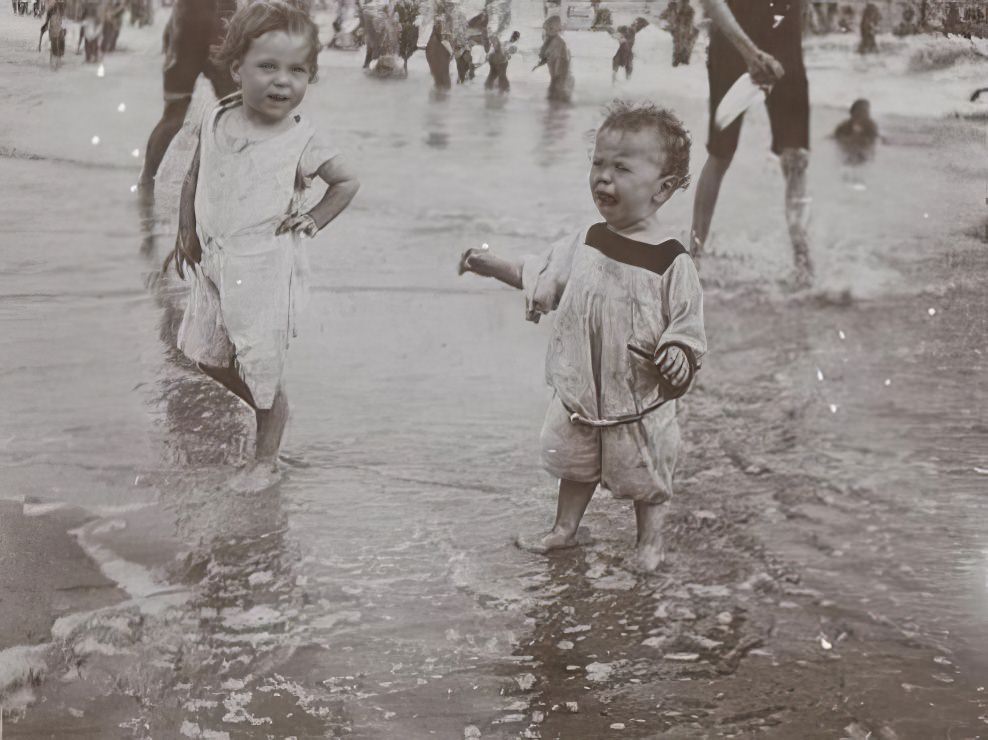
<point>871,18</point>
<point>628,334</point>
<point>90,32</point>
<point>684,34</point>
<point>112,21</point>
<point>555,54</point>
<point>497,61</point>
<point>55,26</point>
<point>624,57</point>
<point>240,219</point>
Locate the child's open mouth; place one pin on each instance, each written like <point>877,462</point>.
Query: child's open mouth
<point>604,199</point>
<point>278,98</point>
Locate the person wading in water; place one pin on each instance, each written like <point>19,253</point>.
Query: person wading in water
<point>763,38</point>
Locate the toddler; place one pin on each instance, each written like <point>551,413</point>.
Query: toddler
<point>241,220</point>
<point>628,332</point>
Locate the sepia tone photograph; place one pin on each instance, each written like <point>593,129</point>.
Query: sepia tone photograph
<point>459,369</point>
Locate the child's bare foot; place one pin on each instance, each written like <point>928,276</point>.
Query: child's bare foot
<point>270,428</point>
<point>554,539</point>
<point>256,477</point>
<point>650,551</point>
<point>647,558</point>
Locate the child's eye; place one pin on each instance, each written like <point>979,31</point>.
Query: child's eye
<point>621,167</point>
<point>267,65</point>
<point>300,70</point>
<point>596,163</point>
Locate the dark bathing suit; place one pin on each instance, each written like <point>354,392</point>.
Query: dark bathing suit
<point>196,25</point>
<point>789,102</point>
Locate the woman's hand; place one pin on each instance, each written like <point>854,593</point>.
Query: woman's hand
<point>765,69</point>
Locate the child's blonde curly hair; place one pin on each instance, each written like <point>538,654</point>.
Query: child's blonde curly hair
<point>675,141</point>
<point>263,16</point>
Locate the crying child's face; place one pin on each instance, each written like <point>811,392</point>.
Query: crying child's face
<point>626,175</point>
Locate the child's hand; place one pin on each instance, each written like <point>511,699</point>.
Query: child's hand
<point>302,224</point>
<point>471,260</point>
<point>673,366</point>
<point>187,253</point>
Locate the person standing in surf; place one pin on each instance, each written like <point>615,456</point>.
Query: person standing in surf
<point>497,62</point>
<point>555,55</point>
<point>241,216</point>
<point>764,39</point>
<point>624,57</point>
<point>628,333</point>
<point>90,33</point>
<point>55,26</point>
<point>195,27</point>
<point>439,49</point>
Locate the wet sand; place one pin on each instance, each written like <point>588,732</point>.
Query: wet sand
<point>827,576</point>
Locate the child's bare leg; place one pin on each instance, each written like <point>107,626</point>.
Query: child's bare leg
<point>270,422</point>
<point>230,379</point>
<point>574,497</point>
<point>649,552</point>
<point>270,428</point>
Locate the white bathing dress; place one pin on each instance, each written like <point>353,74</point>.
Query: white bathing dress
<point>250,284</point>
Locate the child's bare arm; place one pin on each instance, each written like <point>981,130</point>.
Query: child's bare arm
<point>684,341</point>
<point>188,250</point>
<point>343,185</point>
<point>483,262</point>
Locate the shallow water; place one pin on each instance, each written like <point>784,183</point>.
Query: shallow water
<point>828,574</point>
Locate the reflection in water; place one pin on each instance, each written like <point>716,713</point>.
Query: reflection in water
<point>246,616</point>
<point>495,101</point>
<point>436,113</point>
<point>221,655</point>
<point>145,206</point>
<point>555,126</point>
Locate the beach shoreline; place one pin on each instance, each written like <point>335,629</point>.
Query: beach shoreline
<point>293,614</point>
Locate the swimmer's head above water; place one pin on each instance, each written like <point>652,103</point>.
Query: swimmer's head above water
<point>271,49</point>
<point>641,158</point>
<point>861,109</point>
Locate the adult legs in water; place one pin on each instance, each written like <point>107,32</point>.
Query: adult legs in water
<point>707,190</point>
<point>161,136</point>
<point>794,163</point>
<point>574,497</point>
<point>270,422</point>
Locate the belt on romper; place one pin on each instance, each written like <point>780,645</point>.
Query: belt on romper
<point>576,418</point>
<point>668,392</point>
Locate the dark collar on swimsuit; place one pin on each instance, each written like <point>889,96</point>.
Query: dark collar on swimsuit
<point>652,257</point>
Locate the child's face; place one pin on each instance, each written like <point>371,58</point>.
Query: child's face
<point>273,75</point>
<point>626,176</point>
